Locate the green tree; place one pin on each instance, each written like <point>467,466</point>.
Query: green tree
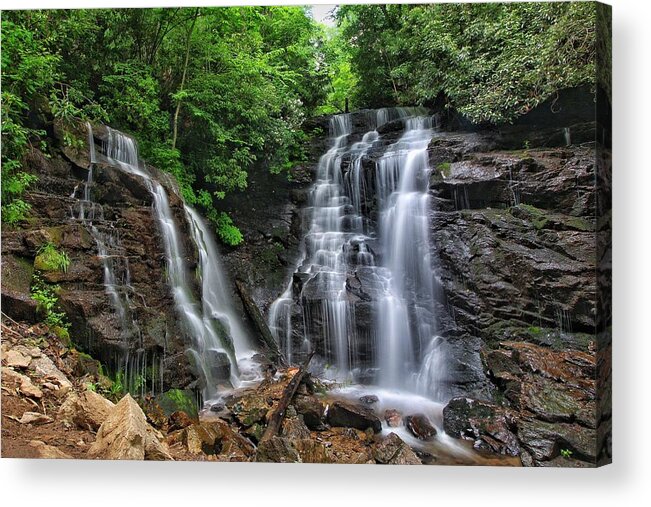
<point>492,62</point>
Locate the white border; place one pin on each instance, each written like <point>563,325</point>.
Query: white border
<point>626,482</point>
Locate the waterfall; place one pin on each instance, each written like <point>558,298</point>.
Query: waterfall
<point>115,267</point>
<point>406,353</point>
<point>117,275</point>
<point>217,306</point>
<point>406,323</point>
<point>217,339</point>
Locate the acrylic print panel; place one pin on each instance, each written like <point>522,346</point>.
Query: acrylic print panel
<point>374,234</point>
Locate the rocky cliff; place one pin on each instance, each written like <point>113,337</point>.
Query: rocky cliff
<point>150,349</point>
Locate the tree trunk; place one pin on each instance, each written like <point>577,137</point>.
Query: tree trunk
<point>253,311</point>
<point>276,419</point>
<point>188,40</point>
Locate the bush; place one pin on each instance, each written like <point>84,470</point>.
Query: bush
<point>46,297</point>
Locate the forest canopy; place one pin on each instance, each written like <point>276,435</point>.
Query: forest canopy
<point>211,93</point>
<point>491,61</point>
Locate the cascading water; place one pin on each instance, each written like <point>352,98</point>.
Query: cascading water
<point>217,339</point>
<point>116,272</point>
<point>335,240</point>
<point>406,318</point>
<point>217,306</point>
<point>406,352</point>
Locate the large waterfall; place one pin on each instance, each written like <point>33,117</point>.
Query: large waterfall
<point>369,227</point>
<point>221,352</point>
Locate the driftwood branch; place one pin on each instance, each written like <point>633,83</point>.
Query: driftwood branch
<point>258,320</point>
<point>276,419</point>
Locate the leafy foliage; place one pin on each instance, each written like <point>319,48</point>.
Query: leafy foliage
<point>49,258</point>
<point>28,70</point>
<point>492,62</point>
<point>46,297</point>
<point>214,93</point>
<point>242,79</point>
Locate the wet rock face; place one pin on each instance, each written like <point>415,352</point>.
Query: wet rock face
<point>549,409</point>
<point>420,426</point>
<point>393,451</point>
<point>515,239</point>
<point>352,416</point>
<point>533,261</point>
<point>151,345</point>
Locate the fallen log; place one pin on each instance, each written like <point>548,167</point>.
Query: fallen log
<point>276,419</point>
<point>253,312</point>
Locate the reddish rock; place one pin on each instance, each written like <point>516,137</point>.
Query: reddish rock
<point>393,417</point>
<point>420,426</point>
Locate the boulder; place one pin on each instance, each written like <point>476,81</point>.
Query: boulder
<point>219,365</point>
<point>277,450</point>
<point>15,359</point>
<point>35,418</point>
<point>21,382</point>
<point>125,434</point>
<point>345,414</point>
<point>420,426</point>
<point>44,451</point>
<point>178,420</point>
<point>393,451</point>
<point>393,417</point>
<point>251,409</point>
<point>17,274</point>
<point>312,411</point>
<point>369,399</point>
<point>311,451</point>
<point>544,441</point>
<point>285,450</point>
<point>44,367</point>
<point>199,439</point>
<point>491,427</point>
<point>294,428</point>
<point>87,411</point>
<point>215,436</point>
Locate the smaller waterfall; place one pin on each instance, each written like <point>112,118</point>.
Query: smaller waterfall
<point>218,306</point>
<point>91,144</point>
<point>217,339</point>
<point>116,273</point>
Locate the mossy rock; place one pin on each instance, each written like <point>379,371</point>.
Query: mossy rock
<point>50,259</point>
<point>539,218</point>
<point>542,219</point>
<point>251,410</point>
<point>445,168</point>
<point>62,334</point>
<point>255,432</point>
<point>175,400</point>
<point>17,273</point>
<point>580,224</point>
<point>86,365</point>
